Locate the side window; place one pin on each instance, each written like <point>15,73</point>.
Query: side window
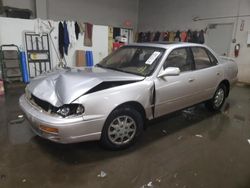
<point>201,58</point>
<point>212,58</point>
<point>180,58</point>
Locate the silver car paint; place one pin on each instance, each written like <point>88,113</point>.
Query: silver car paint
<point>65,85</point>
<point>172,93</point>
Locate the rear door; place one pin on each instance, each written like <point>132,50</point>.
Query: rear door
<point>207,73</point>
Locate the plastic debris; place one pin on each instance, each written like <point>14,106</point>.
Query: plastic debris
<point>164,131</point>
<point>199,136</point>
<point>248,141</point>
<point>150,184</point>
<point>158,180</point>
<point>20,119</point>
<point>102,174</point>
<point>24,180</point>
<point>180,137</point>
<point>20,116</point>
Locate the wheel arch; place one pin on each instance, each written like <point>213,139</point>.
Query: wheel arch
<point>135,105</point>
<point>227,84</point>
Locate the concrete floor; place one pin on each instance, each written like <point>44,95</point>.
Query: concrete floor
<point>188,149</point>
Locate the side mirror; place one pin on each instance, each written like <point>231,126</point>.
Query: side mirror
<point>170,71</point>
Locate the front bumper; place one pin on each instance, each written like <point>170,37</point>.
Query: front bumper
<point>70,130</point>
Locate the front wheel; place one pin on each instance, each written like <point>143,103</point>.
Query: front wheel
<point>122,127</point>
<point>218,99</point>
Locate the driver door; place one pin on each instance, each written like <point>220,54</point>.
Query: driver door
<point>176,92</point>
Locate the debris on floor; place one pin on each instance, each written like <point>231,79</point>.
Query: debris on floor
<point>102,174</point>
<point>20,119</point>
<point>150,184</point>
<point>199,135</point>
<point>158,180</point>
<point>248,141</point>
<point>20,116</point>
<point>164,131</point>
<point>175,175</point>
<point>24,180</point>
<point>180,137</point>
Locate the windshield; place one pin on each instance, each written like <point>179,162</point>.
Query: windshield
<point>139,60</point>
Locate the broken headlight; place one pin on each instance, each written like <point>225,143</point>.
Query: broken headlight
<point>70,109</point>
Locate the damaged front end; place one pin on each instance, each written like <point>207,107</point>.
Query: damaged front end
<point>55,93</point>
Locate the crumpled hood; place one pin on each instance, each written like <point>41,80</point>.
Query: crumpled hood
<point>63,86</point>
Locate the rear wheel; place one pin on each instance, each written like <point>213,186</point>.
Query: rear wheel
<point>122,128</point>
<point>218,99</point>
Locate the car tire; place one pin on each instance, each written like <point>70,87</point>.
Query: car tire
<point>218,99</point>
<point>122,128</point>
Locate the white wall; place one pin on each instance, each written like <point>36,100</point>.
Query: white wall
<point>178,15</point>
<point>12,32</point>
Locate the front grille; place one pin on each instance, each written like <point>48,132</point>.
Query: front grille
<point>44,104</point>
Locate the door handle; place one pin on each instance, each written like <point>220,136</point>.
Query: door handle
<point>191,79</point>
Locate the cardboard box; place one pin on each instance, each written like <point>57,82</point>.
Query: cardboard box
<point>80,58</point>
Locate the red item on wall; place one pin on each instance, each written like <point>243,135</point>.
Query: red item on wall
<point>88,34</point>
<point>1,88</point>
<point>183,36</point>
<point>117,45</point>
<point>236,50</point>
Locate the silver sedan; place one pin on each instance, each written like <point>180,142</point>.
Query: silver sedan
<point>111,101</point>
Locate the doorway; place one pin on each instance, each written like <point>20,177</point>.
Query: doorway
<point>219,37</point>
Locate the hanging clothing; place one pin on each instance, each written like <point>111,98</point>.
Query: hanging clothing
<point>171,36</point>
<point>157,36</point>
<point>66,38</point>
<point>77,30</point>
<point>61,39</point>
<point>189,36</point>
<point>140,37</point>
<point>166,36</point>
<point>183,36</point>
<point>88,34</point>
<point>161,36</point>
<point>195,37</point>
<point>177,36</point>
<point>82,27</point>
<point>148,37</point>
<point>151,38</point>
<point>201,38</point>
<point>71,31</point>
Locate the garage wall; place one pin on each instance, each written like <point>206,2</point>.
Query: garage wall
<point>99,12</point>
<point>178,15</point>
<point>25,4</point>
<point>103,12</point>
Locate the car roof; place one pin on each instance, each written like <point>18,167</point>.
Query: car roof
<point>166,45</point>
